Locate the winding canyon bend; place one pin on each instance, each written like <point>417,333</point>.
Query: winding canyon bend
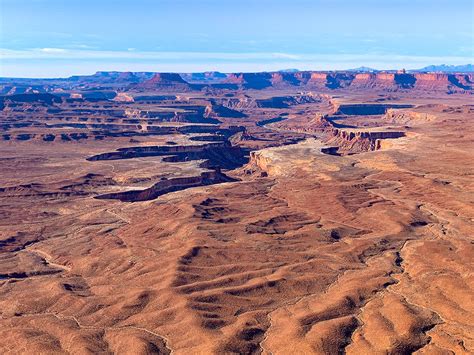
<point>266,213</point>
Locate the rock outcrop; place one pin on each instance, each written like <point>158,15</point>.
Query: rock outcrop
<point>350,142</point>
<point>397,116</point>
<point>169,185</point>
<point>217,154</point>
<point>255,81</point>
<point>242,103</point>
<point>166,81</point>
<point>366,109</point>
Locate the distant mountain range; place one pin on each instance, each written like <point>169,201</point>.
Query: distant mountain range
<point>443,68</point>
<point>363,70</point>
<point>467,68</point>
<point>289,70</point>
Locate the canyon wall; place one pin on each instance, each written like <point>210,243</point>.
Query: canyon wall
<point>350,142</point>
<point>169,185</point>
<point>453,83</point>
<point>111,85</point>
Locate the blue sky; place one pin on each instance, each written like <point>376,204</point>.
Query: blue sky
<point>52,38</point>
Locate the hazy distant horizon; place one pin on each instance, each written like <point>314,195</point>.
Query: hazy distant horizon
<point>203,71</point>
<point>55,38</point>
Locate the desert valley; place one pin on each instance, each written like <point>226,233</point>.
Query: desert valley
<point>250,213</point>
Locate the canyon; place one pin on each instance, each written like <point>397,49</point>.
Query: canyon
<point>237,213</point>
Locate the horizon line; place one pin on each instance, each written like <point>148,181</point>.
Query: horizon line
<point>286,70</point>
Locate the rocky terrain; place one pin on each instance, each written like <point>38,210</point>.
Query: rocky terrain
<point>269,213</point>
<point>106,84</point>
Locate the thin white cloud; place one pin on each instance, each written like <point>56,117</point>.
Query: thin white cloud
<point>81,46</point>
<point>52,50</point>
<point>130,54</point>
<point>286,56</point>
